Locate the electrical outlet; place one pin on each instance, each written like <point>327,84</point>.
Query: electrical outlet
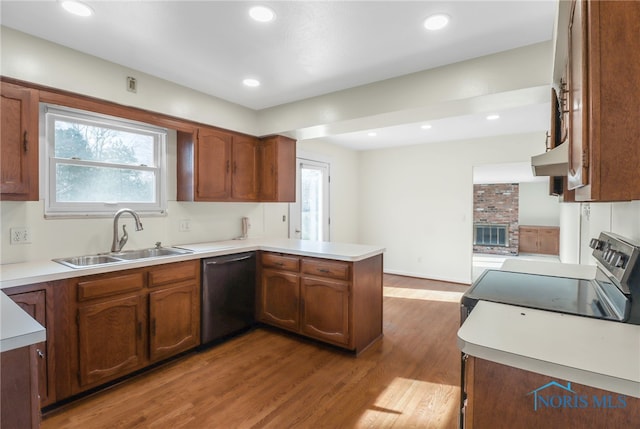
<point>185,225</point>
<point>20,235</point>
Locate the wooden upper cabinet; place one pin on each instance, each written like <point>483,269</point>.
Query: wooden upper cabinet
<point>278,169</point>
<point>19,144</point>
<point>213,165</point>
<point>244,168</point>
<point>604,100</point>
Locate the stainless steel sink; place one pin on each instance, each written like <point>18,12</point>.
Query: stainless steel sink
<point>112,258</point>
<point>87,261</point>
<point>153,252</point>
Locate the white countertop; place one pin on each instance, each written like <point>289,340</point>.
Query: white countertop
<point>46,270</point>
<point>598,353</point>
<point>17,328</point>
<point>593,352</point>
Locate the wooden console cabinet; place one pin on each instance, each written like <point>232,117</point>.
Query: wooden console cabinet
<point>332,301</point>
<point>543,240</point>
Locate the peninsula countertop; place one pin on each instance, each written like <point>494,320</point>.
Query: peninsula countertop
<point>599,353</point>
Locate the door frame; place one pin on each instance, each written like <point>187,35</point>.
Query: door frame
<point>294,208</point>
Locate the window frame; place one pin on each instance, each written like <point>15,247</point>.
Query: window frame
<point>53,208</point>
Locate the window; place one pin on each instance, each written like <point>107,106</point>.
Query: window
<point>491,235</point>
<point>97,164</point>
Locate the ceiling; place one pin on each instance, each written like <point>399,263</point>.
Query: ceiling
<point>311,48</point>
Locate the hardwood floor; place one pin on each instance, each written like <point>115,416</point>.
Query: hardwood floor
<point>267,379</point>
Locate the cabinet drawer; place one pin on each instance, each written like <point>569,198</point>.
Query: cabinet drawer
<point>324,268</point>
<point>110,285</point>
<point>173,273</point>
<point>280,262</point>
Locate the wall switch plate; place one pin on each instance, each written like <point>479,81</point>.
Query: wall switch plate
<point>185,225</point>
<point>20,235</point>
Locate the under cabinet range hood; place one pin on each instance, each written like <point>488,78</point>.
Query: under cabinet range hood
<point>552,163</point>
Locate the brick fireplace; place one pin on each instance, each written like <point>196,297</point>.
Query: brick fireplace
<point>495,219</point>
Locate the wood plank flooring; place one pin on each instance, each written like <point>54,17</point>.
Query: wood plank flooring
<point>267,379</point>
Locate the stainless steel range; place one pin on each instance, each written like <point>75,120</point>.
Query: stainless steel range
<point>609,296</point>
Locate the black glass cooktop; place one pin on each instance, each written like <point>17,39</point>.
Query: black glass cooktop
<point>559,294</point>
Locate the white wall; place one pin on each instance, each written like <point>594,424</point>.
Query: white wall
<point>536,206</point>
<point>417,201</point>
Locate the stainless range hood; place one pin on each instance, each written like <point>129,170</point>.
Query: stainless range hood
<point>552,163</point>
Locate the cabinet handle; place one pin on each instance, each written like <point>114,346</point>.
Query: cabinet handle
<point>24,141</point>
<point>40,354</point>
<point>280,264</point>
<point>323,270</point>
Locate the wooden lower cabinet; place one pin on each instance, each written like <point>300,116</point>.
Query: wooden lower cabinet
<point>110,336</point>
<point>280,299</point>
<point>337,302</point>
<point>19,406</point>
<point>174,318</point>
<point>325,309</point>
<point>37,301</point>
<point>500,396</point>
<point>127,320</point>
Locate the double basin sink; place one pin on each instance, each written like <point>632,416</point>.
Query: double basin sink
<point>126,256</point>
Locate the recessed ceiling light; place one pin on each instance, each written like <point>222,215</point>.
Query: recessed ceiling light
<point>426,127</point>
<point>262,14</point>
<point>493,117</point>
<point>372,134</point>
<point>436,22</point>
<point>77,8</point>
<point>251,82</point>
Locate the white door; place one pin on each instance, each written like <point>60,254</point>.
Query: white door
<point>309,215</point>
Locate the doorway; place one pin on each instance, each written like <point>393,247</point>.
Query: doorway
<point>309,215</point>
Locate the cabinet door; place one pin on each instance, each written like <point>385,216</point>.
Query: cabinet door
<point>528,240</point>
<point>19,143</point>
<point>279,299</point>
<point>549,241</point>
<point>34,303</point>
<point>325,309</point>
<point>578,97</point>
<point>213,165</point>
<point>278,169</point>
<point>174,320</point>
<point>244,184</point>
<point>110,339</point>
<point>19,393</point>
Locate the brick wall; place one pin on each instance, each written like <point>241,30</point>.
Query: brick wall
<point>497,204</point>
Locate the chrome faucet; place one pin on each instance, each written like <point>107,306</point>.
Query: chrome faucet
<point>118,244</point>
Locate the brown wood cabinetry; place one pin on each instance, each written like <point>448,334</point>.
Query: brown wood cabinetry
<point>215,165</point>
<point>174,310</point>
<point>36,301</point>
<point>19,143</point>
<point>19,397</point>
<point>129,319</point>
<point>278,169</point>
<point>333,301</point>
<point>539,239</point>
<point>604,130</point>
<point>500,396</point>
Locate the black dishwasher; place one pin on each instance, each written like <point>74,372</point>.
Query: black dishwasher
<point>228,296</point>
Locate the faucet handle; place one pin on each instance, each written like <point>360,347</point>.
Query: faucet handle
<point>158,244</point>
